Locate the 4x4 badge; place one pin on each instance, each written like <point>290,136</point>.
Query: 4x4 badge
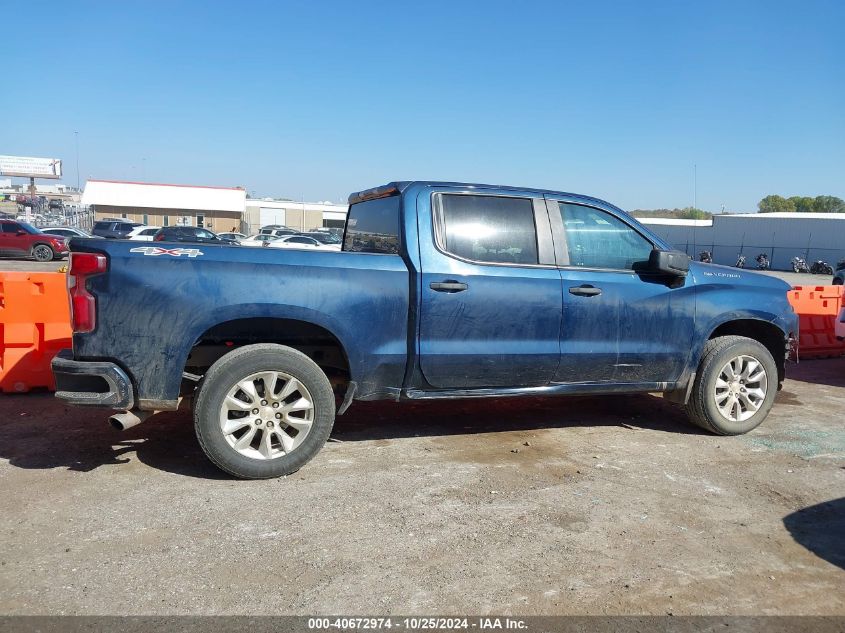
<point>155,251</point>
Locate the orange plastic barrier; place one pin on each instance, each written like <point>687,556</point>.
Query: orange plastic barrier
<point>34,326</point>
<point>818,308</point>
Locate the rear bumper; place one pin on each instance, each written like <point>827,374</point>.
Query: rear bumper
<point>91,383</point>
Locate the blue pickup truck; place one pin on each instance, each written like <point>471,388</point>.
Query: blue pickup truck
<point>442,290</point>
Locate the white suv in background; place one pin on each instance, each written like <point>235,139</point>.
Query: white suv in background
<point>143,233</point>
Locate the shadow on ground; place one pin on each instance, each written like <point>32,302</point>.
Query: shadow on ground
<point>821,529</point>
<point>39,432</point>
<point>822,371</point>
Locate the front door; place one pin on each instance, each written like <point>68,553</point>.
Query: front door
<point>620,323</point>
<point>490,304</point>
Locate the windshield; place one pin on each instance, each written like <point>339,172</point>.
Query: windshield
<point>326,238</point>
<point>29,228</point>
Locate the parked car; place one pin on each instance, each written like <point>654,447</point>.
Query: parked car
<point>114,229</point>
<point>839,275</point>
<point>258,240</point>
<point>192,234</point>
<point>324,237</point>
<point>230,235</point>
<point>56,204</point>
<point>302,241</point>
<point>19,239</point>
<point>143,233</point>
<point>442,290</point>
<point>334,230</point>
<point>278,230</point>
<point>67,231</point>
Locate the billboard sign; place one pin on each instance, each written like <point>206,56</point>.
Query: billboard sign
<point>29,167</point>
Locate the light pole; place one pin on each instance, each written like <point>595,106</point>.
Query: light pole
<point>76,138</point>
<point>694,186</point>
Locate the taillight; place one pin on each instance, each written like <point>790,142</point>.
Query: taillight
<point>83,305</point>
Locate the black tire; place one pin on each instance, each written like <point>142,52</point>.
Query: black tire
<point>702,409</point>
<point>43,253</point>
<point>837,281</point>
<point>234,367</point>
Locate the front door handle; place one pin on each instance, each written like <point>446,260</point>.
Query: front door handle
<point>585,291</point>
<point>448,286</point>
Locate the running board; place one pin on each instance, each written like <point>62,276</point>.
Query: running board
<point>553,389</point>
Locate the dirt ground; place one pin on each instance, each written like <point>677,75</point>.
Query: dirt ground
<point>599,505</point>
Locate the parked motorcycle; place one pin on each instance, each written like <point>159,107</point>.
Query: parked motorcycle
<point>706,257</point>
<point>740,262</point>
<point>821,267</point>
<point>799,265</point>
<point>762,262</point>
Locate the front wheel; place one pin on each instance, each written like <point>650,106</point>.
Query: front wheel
<point>42,253</point>
<point>735,386</point>
<point>263,411</point>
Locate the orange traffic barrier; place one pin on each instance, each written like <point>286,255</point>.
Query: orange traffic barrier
<point>817,308</point>
<point>34,326</point>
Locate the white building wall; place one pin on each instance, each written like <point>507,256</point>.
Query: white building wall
<point>780,236</point>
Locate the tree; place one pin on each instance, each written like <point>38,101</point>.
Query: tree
<point>775,204</point>
<point>828,204</point>
<point>690,213</point>
<point>803,204</point>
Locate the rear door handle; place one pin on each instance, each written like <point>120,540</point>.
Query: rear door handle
<point>585,291</point>
<point>448,286</point>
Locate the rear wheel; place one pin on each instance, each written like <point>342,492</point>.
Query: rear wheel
<point>42,253</point>
<point>263,411</point>
<point>735,386</point>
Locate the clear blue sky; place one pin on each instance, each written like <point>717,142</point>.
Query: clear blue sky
<point>317,99</point>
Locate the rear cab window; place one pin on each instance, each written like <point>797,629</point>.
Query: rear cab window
<point>372,226</point>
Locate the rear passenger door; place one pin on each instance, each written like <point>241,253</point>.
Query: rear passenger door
<point>12,244</point>
<point>621,323</point>
<point>490,306</point>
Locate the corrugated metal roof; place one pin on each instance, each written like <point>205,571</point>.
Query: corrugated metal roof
<point>784,214</point>
<point>163,196</point>
<point>675,221</point>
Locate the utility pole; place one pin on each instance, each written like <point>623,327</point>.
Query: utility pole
<point>694,186</point>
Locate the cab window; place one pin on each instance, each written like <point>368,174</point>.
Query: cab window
<point>492,229</point>
<point>597,239</point>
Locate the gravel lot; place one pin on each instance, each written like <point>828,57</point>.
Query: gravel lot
<point>31,265</point>
<point>601,505</point>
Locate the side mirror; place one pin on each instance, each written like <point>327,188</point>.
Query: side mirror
<point>674,263</point>
<point>20,232</point>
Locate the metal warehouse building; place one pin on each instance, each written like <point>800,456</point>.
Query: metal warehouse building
<point>302,216</point>
<point>216,208</point>
<point>781,236</point>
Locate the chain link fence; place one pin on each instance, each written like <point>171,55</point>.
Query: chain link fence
<point>780,257</point>
<point>77,216</point>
